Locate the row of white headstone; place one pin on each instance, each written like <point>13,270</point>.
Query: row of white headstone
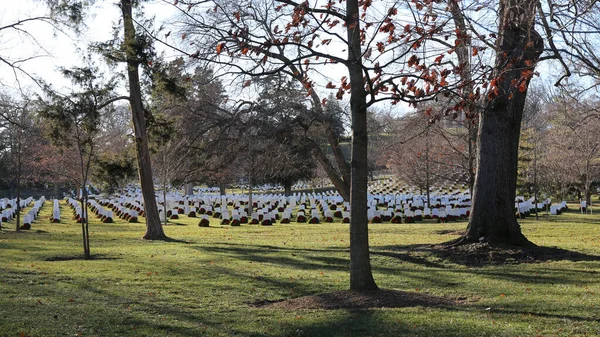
<point>322,205</point>
<point>105,215</point>
<point>9,211</point>
<point>78,212</point>
<point>33,213</point>
<point>318,205</point>
<point>527,206</point>
<point>55,211</point>
<point>125,208</point>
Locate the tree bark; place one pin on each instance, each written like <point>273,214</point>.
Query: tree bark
<point>250,202</point>
<point>18,220</point>
<point>493,216</point>
<point>84,225</point>
<point>189,189</point>
<point>587,183</point>
<point>342,186</point>
<point>287,187</point>
<point>165,208</point>
<point>427,188</point>
<point>361,277</point>
<point>154,229</point>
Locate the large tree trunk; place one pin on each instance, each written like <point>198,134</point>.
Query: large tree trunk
<point>493,216</point>
<point>189,189</point>
<point>165,208</point>
<point>154,229</point>
<point>250,202</point>
<point>18,220</point>
<point>287,188</point>
<point>85,225</point>
<point>361,277</point>
<point>587,184</point>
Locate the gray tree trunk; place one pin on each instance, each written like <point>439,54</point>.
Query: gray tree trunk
<point>154,229</point>
<point>287,189</point>
<point>361,277</point>
<point>493,216</point>
<point>18,220</point>
<point>189,189</point>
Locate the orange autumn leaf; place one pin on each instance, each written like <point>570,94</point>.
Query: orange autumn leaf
<point>523,86</point>
<point>413,61</point>
<point>220,47</point>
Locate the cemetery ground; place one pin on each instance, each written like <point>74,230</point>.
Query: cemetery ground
<point>226,281</point>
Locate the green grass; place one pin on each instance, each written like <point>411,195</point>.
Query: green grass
<point>205,283</point>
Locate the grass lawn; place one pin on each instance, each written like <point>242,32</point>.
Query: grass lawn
<point>208,280</point>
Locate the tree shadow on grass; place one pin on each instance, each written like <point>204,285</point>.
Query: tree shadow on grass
<point>170,239</point>
<point>9,230</point>
<point>348,299</point>
<point>480,254</point>
<point>303,258</point>
<point>409,256</point>
<point>547,315</point>
<point>175,223</point>
<point>94,257</point>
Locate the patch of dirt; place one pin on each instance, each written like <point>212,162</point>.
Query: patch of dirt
<point>477,254</point>
<point>348,299</point>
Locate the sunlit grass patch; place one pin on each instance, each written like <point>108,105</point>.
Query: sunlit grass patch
<point>208,280</point>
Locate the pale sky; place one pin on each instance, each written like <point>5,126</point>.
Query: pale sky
<point>52,49</point>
